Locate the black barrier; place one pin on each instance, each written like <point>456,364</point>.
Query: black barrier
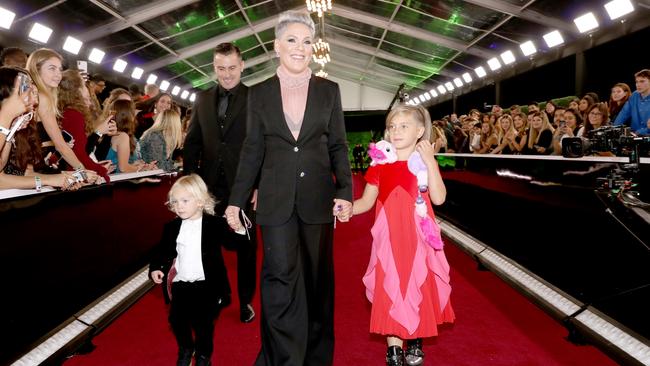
<point>60,251</point>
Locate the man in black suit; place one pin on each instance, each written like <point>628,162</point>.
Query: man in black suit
<point>214,140</point>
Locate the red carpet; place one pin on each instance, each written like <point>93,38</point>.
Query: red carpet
<point>494,326</point>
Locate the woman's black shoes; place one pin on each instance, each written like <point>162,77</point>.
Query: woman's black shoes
<point>394,356</point>
<point>414,354</point>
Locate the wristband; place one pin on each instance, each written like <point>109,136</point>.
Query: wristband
<point>38,184</point>
<point>98,133</point>
<point>4,131</point>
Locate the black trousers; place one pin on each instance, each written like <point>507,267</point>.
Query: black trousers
<point>297,293</point>
<point>246,258</point>
<point>193,308</point>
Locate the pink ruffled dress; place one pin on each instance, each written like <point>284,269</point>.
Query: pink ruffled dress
<point>407,281</point>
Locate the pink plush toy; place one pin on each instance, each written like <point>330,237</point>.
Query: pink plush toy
<point>382,152</point>
<point>429,228</point>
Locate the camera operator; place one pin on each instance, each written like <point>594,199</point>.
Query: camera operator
<point>597,116</point>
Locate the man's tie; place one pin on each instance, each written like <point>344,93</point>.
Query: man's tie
<point>223,104</point>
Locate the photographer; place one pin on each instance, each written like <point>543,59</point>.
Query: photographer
<point>19,155</point>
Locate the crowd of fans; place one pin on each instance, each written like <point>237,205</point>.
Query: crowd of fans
<point>539,128</point>
<point>69,138</point>
<point>56,131</point>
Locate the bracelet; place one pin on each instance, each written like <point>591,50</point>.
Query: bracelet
<point>98,133</point>
<point>38,183</point>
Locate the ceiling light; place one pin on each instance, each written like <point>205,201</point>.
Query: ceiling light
<point>427,96</point>
<point>442,89</point>
<point>458,82</point>
<point>433,93</point>
<point>6,18</point>
<point>176,89</point>
<point>528,48</point>
<point>137,73</point>
<point>553,39</point>
<point>96,55</point>
<point>321,54</point>
<point>618,8</point>
<point>185,94</point>
<point>508,57</point>
<point>120,65</point>
<point>40,33</point>
<point>586,22</point>
<point>152,79</point>
<point>449,86</point>
<point>467,77</point>
<point>480,71</point>
<point>72,45</point>
<point>494,64</point>
<point>193,97</point>
<point>164,85</point>
<point>319,6</point>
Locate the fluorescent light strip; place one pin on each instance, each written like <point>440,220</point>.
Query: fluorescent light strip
<point>554,298</point>
<point>616,336</point>
<point>53,344</point>
<point>111,301</point>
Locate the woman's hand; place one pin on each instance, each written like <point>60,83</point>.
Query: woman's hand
<point>232,216</point>
<point>17,104</point>
<point>107,127</point>
<point>342,210</point>
<point>157,277</point>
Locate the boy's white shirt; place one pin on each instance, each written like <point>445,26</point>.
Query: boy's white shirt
<point>189,264</point>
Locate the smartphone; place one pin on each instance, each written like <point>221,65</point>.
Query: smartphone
<point>562,124</point>
<point>82,66</point>
<point>23,83</point>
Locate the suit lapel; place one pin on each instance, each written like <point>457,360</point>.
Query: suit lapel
<point>209,115</point>
<point>276,105</point>
<point>310,109</point>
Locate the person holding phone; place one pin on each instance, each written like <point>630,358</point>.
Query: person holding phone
<point>45,67</point>
<point>20,160</point>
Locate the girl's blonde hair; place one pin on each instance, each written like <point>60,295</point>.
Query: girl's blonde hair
<point>500,132</point>
<point>418,112</point>
<point>34,63</point>
<point>169,123</point>
<point>195,186</point>
<point>533,134</point>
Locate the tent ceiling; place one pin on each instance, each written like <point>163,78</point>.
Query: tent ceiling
<point>378,43</point>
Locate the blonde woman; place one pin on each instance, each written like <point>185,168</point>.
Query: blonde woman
<point>506,134</point>
<point>159,142</point>
<point>540,136</point>
<point>519,122</point>
<point>45,67</point>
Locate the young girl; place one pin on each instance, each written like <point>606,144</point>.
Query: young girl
<point>407,280</point>
<point>188,259</point>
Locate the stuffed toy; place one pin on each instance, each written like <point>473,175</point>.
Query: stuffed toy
<point>382,152</point>
<point>429,228</point>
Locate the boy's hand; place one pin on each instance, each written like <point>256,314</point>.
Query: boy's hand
<point>157,276</point>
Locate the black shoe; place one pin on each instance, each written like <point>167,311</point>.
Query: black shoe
<point>184,357</point>
<point>394,356</point>
<point>246,314</point>
<point>414,354</point>
<point>202,361</point>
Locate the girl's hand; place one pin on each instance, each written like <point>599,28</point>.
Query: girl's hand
<point>157,277</point>
<point>342,210</point>
<point>107,126</point>
<point>17,104</point>
<point>426,152</point>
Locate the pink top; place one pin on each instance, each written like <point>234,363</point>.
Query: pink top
<point>294,97</point>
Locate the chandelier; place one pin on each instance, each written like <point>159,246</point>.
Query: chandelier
<point>321,52</point>
<point>321,73</point>
<point>319,6</point>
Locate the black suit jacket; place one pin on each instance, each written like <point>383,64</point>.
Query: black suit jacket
<point>209,152</point>
<point>214,233</point>
<point>304,174</point>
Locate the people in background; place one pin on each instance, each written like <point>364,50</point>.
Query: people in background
<point>621,92</point>
<point>44,65</point>
<point>20,158</point>
<point>74,103</point>
<point>159,142</point>
<point>13,56</point>
<point>123,153</point>
<point>636,111</point>
<point>540,135</point>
